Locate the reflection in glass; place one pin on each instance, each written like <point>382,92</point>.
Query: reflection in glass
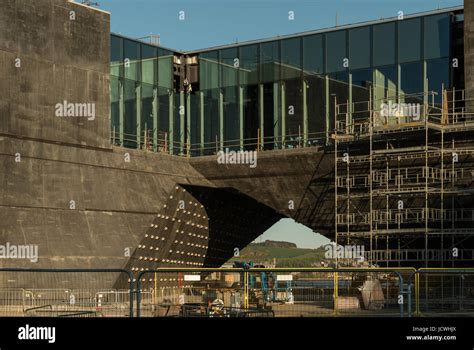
<point>411,82</point>
<point>359,47</point>
<point>436,36</point>
<point>132,54</point>
<point>291,58</point>
<point>130,117</point>
<point>409,40</point>
<point>385,82</point>
<point>438,73</point>
<point>383,46</point>
<point>313,54</point>
<point>270,61</point>
<point>335,51</point>
<point>249,64</point>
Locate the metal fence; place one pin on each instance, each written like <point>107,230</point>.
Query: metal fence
<point>270,293</point>
<point>66,293</point>
<point>448,292</point>
<point>311,292</point>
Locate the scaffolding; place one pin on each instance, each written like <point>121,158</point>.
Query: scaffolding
<point>404,168</point>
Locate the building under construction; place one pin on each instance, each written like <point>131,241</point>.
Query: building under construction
<point>403,182</point>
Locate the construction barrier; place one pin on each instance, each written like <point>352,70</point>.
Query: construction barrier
<point>305,292</point>
<point>66,293</point>
<point>270,292</point>
<point>443,292</point>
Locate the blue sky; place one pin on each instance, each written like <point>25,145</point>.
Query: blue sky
<point>217,22</point>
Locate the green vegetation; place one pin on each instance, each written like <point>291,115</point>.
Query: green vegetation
<point>283,254</point>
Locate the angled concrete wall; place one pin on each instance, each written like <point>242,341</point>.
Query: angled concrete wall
<point>114,201</point>
<point>292,182</point>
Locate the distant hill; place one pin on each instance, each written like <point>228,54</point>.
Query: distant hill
<point>280,244</point>
<point>284,254</point>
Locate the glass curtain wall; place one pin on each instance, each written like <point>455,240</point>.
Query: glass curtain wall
<point>209,76</point>
<point>276,93</point>
<point>268,88</point>
<point>230,63</point>
<point>248,95</point>
<point>316,89</point>
<point>141,85</point>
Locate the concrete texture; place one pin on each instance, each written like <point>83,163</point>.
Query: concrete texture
<point>292,182</point>
<point>61,59</point>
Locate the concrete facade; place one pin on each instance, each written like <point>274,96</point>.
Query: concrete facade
<point>52,51</point>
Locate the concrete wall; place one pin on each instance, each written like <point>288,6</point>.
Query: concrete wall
<point>302,176</point>
<point>61,59</point>
<point>115,201</point>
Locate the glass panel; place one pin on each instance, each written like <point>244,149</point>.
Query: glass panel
<point>250,116</point>
<point>177,124</point>
<point>163,116</point>
<point>385,83</point>
<point>229,89</point>
<point>115,106</point>
<point>294,112</point>
<point>340,90</point>
<point>132,53</point>
<point>383,48</point>
<point>361,83</point>
<point>316,100</point>
<point>438,74</point>
<point>291,58</point>
<point>409,40</point>
<point>457,50</point>
<point>269,94</point>
<point>335,51</point>
<point>165,68</point>
<point>412,81</point>
<point>270,61</point>
<point>195,125</point>
<point>341,77</point>
<point>149,64</point>
<point>130,117</point>
<point>362,77</point>
<point>116,56</point>
<point>228,69</point>
<point>211,119</point>
<point>209,70</point>
<point>313,54</point>
<point>359,48</point>
<point>231,117</point>
<point>249,64</point>
<point>436,36</point>
<point>147,114</point>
